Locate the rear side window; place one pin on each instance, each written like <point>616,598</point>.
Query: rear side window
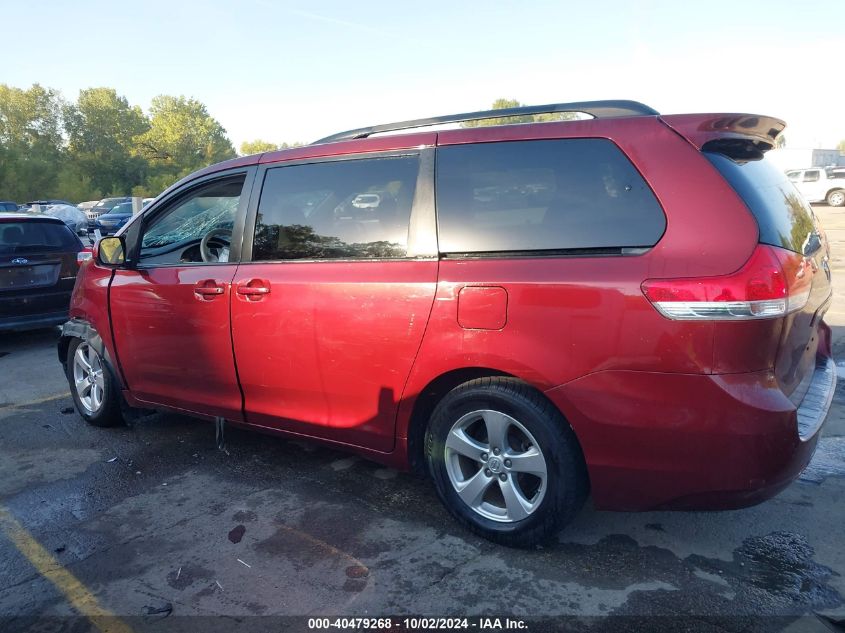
<point>352,209</point>
<point>783,216</point>
<point>36,237</point>
<point>548,195</point>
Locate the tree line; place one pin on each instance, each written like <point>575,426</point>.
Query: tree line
<point>100,145</point>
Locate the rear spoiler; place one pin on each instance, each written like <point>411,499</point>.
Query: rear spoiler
<point>749,133</point>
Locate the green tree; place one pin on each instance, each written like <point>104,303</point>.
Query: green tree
<point>257,146</point>
<point>503,104</point>
<point>101,129</point>
<point>30,142</point>
<point>182,138</point>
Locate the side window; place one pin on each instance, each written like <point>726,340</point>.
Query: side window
<point>794,176</point>
<point>351,209</point>
<point>542,195</point>
<point>174,235</point>
<point>811,175</point>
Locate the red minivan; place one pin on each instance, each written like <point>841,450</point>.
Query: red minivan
<point>629,305</point>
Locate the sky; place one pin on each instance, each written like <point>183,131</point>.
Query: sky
<point>297,71</point>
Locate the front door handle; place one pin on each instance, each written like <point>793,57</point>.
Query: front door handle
<point>253,289</point>
<point>207,289</point>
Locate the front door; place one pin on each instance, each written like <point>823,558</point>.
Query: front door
<point>328,314</point>
<point>170,312</point>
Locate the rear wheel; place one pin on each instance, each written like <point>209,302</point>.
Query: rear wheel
<point>505,462</point>
<point>92,385</point>
<point>836,198</point>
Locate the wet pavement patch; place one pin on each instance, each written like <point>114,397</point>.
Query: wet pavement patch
<point>237,533</point>
<point>775,575</point>
<point>828,461</point>
<point>186,576</point>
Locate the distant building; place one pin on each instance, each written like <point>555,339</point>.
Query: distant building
<point>789,158</point>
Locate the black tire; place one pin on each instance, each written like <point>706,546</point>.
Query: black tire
<point>109,412</point>
<point>836,198</point>
<point>566,484</point>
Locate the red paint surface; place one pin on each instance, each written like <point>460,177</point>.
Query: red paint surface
<point>175,347</point>
<point>328,350</point>
<point>482,308</point>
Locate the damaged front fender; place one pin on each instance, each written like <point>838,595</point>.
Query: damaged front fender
<point>81,329</point>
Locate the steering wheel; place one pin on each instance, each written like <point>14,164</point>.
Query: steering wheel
<point>211,255</point>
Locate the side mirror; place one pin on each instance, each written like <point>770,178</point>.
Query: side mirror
<point>110,251</point>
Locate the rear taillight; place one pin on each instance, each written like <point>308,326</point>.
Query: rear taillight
<point>772,283</point>
<point>84,255</point>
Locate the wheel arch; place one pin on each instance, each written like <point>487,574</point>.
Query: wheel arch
<point>435,391</point>
<point>83,330</point>
<point>836,189</point>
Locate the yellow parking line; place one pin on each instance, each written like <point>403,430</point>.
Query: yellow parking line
<point>76,593</point>
<point>21,405</point>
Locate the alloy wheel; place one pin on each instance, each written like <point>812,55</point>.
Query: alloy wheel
<point>496,466</point>
<point>88,378</point>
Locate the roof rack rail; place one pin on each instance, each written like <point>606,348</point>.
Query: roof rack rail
<point>598,109</point>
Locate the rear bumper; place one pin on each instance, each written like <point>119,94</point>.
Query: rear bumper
<point>692,441</point>
<point>813,409</point>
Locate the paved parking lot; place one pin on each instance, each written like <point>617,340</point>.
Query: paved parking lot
<point>152,523</point>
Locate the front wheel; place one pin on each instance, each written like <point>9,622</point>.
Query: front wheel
<point>836,198</point>
<point>92,385</point>
<point>505,462</point>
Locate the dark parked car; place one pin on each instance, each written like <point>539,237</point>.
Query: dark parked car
<point>38,264</point>
<point>8,205</point>
<point>102,207</point>
<point>629,306</point>
<point>109,223</point>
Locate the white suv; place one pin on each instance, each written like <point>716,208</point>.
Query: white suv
<point>816,186</point>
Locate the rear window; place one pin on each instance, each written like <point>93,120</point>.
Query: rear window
<point>36,237</point>
<point>784,217</point>
<point>550,195</point>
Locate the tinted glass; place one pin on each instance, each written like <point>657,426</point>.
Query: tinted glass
<point>811,176</point>
<point>783,216</point>
<point>36,237</point>
<point>543,195</point>
<point>354,209</point>
<point>173,236</point>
